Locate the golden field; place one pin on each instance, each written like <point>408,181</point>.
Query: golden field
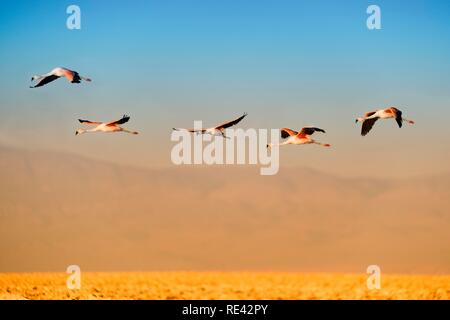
<point>221,285</point>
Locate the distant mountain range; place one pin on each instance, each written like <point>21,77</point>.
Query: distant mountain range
<point>58,209</point>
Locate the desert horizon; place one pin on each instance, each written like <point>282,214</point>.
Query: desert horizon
<point>110,217</point>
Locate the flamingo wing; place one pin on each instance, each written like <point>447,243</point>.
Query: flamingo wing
<point>370,113</point>
<point>123,120</point>
<point>76,78</point>
<point>88,121</point>
<point>45,80</point>
<point>231,123</point>
<point>367,125</point>
<point>398,118</point>
<point>286,132</point>
<point>310,130</point>
<point>189,130</point>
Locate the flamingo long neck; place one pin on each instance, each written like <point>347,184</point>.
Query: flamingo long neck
<point>128,131</point>
<point>39,77</point>
<point>270,145</point>
<point>321,144</point>
<point>407,121</point>
<point>85,79</point>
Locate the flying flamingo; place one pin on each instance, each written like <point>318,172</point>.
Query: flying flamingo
<point>112,126</point>
<point>370,118</point>
<point>56,73</point>
<point>217,130</point>
<point>302,137</point>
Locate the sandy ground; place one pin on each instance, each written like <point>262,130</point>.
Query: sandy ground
<point>217,285</point>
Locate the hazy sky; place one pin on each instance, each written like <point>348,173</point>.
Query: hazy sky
<point>286,63</point>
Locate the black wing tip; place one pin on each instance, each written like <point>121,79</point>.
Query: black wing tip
<point>311,130</point>
<point>125,118</point>
<point>242,117</point>
<point>315,129</point>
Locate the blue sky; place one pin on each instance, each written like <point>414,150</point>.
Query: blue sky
<point>286,63</point>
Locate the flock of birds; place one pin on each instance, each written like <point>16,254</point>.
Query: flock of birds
<point>291,137</point>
